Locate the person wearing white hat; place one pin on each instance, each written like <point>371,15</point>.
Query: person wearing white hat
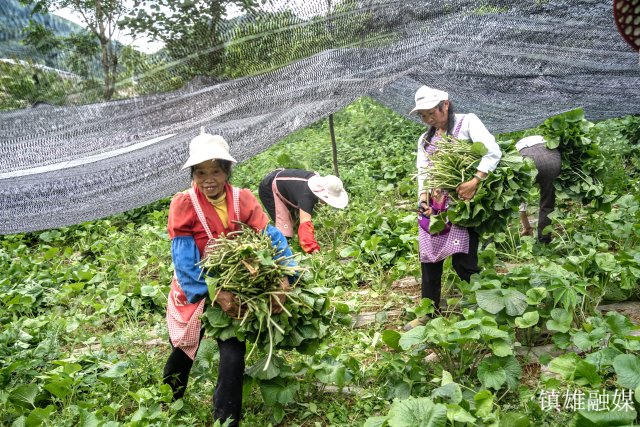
<point>290,193</point>
<point>436,110</point>
<point>208,209</point>
<point>548,163</point>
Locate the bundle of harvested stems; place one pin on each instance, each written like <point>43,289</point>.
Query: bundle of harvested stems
<point>247,264</point>
<point>497,197</point>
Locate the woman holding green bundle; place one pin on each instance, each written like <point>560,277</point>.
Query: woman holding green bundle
<point>208,209</point>
<point>436,110</point>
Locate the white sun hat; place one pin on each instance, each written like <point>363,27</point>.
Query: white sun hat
<point>330,189</point>
<point>207,147</point>
<point>428,97</point>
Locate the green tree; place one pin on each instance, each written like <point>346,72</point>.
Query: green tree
<point>264,43</point>
<point>190,29</point>
<point>101,18</point>
<point>42,39</point>
<point>142,73</point>
<point>22,84</point>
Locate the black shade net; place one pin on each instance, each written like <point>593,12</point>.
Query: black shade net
<point>513,63</point>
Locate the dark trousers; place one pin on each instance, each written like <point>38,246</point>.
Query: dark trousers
<point>548,163</point>
<point>265,193</point>
<point>227,397</point>
<point>464,264</point>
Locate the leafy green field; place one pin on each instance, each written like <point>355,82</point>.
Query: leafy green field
<point>84,339</point>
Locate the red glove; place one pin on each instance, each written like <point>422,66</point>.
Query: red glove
<point>307,239</point>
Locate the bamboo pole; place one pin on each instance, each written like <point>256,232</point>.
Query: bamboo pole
<point>334,148</point>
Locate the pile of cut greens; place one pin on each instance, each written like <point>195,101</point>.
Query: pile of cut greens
<point>582,160</point>
<point>498,196</point>
<point>247,264</point>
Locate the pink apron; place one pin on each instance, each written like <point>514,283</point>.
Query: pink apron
<point>183,317</point>
<point>284,222</point>
<point>454,239</point>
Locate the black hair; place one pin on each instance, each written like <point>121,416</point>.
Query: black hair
<point>225,165</point>
<point>451,122</point>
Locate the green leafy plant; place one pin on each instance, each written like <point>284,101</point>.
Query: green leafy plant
<point>498,196</point>
<point>583,164</point>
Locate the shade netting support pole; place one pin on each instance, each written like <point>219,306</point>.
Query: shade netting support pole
<point>334,148</point>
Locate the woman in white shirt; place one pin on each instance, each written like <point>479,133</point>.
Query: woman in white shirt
<point>436,110</point>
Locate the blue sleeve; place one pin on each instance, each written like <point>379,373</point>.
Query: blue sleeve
<point>185,256</point>
<point>280,243</point>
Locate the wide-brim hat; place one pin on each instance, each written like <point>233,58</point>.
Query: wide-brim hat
<point>329,189</point>
<point>207,147</point>
<point>427,98</point>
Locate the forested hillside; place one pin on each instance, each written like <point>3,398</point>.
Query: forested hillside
<point>14,17</point>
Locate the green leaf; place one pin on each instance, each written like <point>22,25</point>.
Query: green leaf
<point>279,390</point>
<point>490,300</point>
<point>484,403</point>
<point>620,325</point>
<point>59,387</point>
<point>527,320</point>
<point>479,148</point>
<point>25,395</point>
<point>89,419</point>
<point>350,251</point>
<point>447,378</point>
<point>607,262</point>
<point>148,291</point>
<point>437,223</point>
<point>603,358</point>
<point>627,367</point>
<point>425,307</point>
<point>39,416</point>
<point>501,348</point>
<point>536,295</point>
<point>412,337</point>
<point>561,340</point>
<point>116,371</point>
<point>605,418</point>
<point>273,370</point>
<point>514,419</point>
<point>375,422</point>
<point>455,413</point>
<point>491,374</point>
<point>560,320</point>
<point>332,372</point>
<point>515,302</point>
<point>565,365</point>
<point>417,412</point>
<point>215,318</point>
<point>392,339</point>
<point>494,371</point>
<point>587,374</point>
<point>451,392</point>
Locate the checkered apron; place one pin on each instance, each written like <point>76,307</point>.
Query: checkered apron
<point>183,317</point>
<point>436,247</point>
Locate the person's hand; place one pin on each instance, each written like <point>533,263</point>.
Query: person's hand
<point>527,231</point>
<point>427,212</point>
<point>278,299</point>
<point>229,304</point>
<point>467,190</point>
<point>437,195</point>
<point>307,239</point>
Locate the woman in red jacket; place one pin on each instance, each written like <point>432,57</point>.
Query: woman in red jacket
<point>209,208</point>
